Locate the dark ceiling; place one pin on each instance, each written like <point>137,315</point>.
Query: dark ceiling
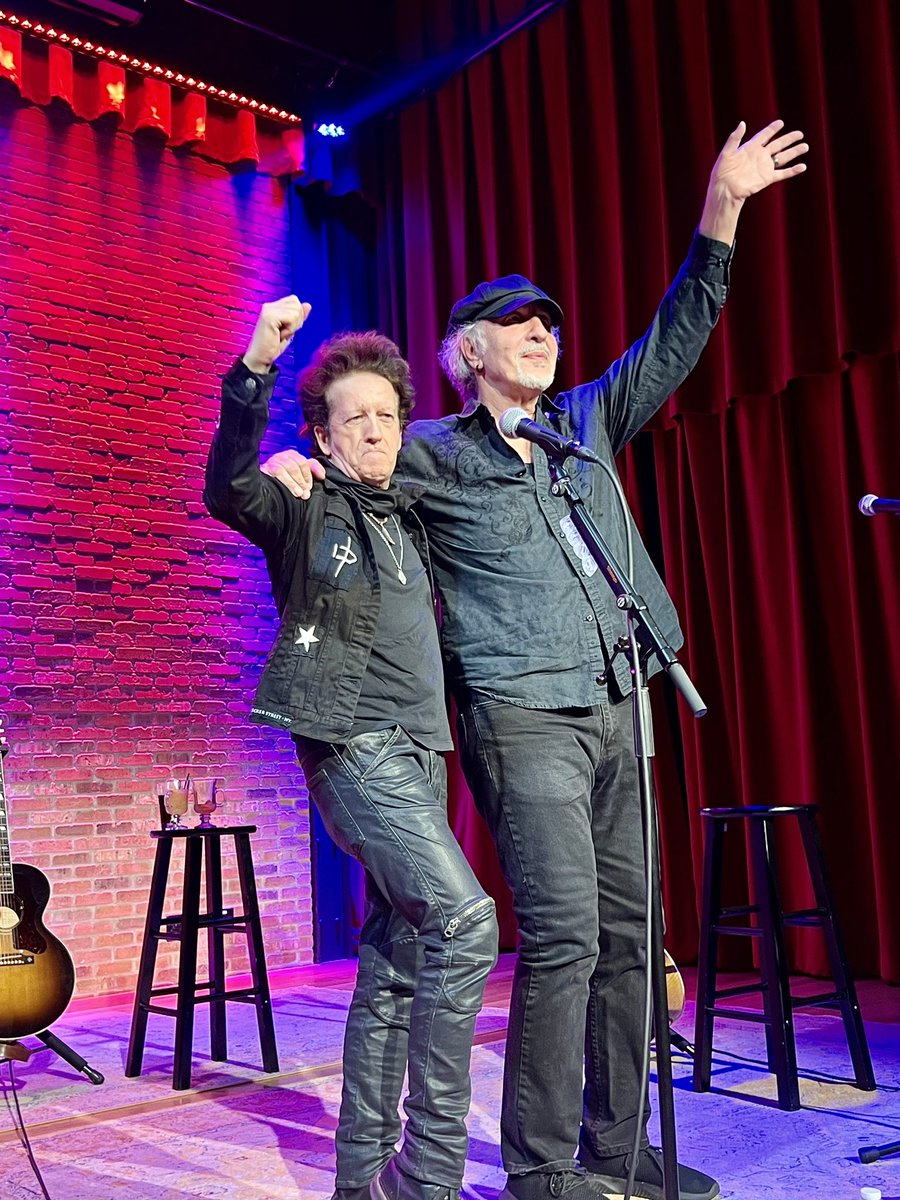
<point>293,53</point>
<point>318,58</point>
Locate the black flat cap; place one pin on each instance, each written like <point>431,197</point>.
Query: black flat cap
<point>499,297</point>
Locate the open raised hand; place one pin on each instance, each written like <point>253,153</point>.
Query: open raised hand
<point>746,167</point>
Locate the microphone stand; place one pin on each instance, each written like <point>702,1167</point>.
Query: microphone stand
<point>643,640</point>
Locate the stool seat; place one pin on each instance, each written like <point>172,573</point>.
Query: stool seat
<point>770,920</point>
<point>201,844</point>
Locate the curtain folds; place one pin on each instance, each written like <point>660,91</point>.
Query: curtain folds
<point>789,599</point>
<point>578,153</point>
<point>146,105</point>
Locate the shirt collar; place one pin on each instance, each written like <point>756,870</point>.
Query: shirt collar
<point>472,407</point>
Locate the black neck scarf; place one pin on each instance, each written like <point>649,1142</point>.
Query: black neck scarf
<point>380,502</point>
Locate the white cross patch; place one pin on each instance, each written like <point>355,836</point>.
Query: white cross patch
<point>306,637</point>
<point>342,556</point>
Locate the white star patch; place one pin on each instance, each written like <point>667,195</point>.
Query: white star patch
<point>306,637</point>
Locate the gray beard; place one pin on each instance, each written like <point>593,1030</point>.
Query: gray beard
<point>541,380</point>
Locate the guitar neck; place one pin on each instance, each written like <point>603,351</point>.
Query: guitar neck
<point>6,875</point>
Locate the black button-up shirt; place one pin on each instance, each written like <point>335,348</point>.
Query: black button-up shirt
<point>525,616</point>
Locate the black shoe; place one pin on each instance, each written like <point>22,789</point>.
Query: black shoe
<point>391,1184</point>
<point>548,1185</point>
<point>612,1175</point>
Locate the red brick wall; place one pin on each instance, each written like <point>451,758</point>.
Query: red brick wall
<point>133,627</point>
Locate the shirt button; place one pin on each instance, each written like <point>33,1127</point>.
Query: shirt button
<point>250,386</point>
<point>589,617</point>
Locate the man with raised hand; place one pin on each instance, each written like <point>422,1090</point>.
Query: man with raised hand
<point>355,675</point>
<point>545,728</point>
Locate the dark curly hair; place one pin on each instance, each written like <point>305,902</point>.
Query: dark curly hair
<point>346,354</point>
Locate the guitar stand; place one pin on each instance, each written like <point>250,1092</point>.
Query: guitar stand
<point>681,1043</point>
<point>15,1050</point>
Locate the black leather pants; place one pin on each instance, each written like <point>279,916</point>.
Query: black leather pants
<point>427,945</point>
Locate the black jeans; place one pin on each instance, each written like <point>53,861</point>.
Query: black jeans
<point>559,792</point>
<point>427,945</point>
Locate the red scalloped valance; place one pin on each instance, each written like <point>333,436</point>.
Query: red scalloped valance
<point>54,76</point>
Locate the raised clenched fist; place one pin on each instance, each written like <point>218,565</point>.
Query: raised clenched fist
<point>277,324</point>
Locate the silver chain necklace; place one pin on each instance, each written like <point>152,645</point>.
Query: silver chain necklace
<point>379,527</point>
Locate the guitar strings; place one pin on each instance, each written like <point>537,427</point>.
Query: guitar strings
<point>9,942</point>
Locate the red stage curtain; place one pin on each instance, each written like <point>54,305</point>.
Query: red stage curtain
<point>149,105</point>
<point>578,153</point>
<point>789,598</point>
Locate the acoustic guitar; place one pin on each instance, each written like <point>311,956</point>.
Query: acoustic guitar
<point>674,988</point>
<point>37,977</point>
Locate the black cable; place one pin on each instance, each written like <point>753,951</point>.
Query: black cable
<point>18,1120</point>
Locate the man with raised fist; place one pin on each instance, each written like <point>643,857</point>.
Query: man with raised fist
<point>355,676</point>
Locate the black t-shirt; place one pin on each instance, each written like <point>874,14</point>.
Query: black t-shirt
<point>403,684</point>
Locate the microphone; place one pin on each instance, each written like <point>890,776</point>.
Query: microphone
<point>870,505</point>
<point>515,422</point>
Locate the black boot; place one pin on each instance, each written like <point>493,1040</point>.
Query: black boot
<point>569,1183</point>
<point>612,1173</point>
<point>391,1184</point>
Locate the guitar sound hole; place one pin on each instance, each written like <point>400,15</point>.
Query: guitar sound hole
<point>9,919</point>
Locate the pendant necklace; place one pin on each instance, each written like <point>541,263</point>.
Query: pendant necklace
<point>379,527</point>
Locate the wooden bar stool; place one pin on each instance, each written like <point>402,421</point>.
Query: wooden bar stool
<point>768,928</point>
<point>185,928</point>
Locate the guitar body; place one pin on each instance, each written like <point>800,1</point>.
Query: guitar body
<point>37,976</point>
<point>674,988</point>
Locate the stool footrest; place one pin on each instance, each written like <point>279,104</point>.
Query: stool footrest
<point>209,984</point>
<point>814,918</point>
<point>833,998</point>
<point>739,930</point>
<point>740,910</point>
<point>241,995</point>
<point>238,925</point>
<point>178,918</point>
<point>743,990</point>
<point>227,922</point>
<point>739,1014</point>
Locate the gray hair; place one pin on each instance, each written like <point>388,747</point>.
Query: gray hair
<point>455,364</point>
